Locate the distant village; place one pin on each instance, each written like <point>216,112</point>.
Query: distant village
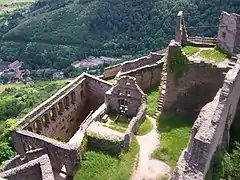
<point>14,71</point>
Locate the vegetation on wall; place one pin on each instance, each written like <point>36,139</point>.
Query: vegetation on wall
<point>56,33</point>
<point>177,62</point>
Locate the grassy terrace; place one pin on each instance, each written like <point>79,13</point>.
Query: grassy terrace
<point>152,98</point>
<point>175,132</point>
<point>101,166</point>
<point>190,50</point>
<point>215,55</point>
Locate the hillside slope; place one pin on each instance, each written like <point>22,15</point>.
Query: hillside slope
<point>56,33</point>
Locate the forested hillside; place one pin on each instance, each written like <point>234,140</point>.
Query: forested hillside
<point>57,32</point>
<point>17,102</point>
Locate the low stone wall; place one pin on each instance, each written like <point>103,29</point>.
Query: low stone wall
<point>111,143</point>
<point>197,84</point>
<point>147,76</point>
<point>134,125</point>
<point>60,154</point>
<point>111,72</point>
<point>211,130</point>
<point>16,161</point>
<point>38,169</point>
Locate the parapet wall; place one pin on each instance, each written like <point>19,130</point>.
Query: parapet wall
<point>210,130</point>
<point>60,154</point>
<point>38,169</point>
<point>195,86</point>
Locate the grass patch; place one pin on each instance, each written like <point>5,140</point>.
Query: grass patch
<point>175,132</point>
<point>190,50</point>
<point>152,99</point>
<point>213,54</point>
<point>116,128</point>
<point>111,81</point>
<point>122,124</point>
<point>145,127</point>
<point>101,166</point>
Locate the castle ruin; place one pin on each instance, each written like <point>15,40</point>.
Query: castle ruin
<point>49,139</point>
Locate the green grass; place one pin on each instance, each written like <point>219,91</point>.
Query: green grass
<point>152,98</point>
<point>190,50</point>
<point>174,135</point>
<point>145,127</point>
<point>117,128</point>
<point>214,54</point>
<point>14,85</point>
<point>19,85</point>
<point>101,166</point>
<point>111,81</point>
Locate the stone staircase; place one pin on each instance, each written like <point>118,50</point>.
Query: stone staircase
<point>232,61</point>
<point>162,89</point>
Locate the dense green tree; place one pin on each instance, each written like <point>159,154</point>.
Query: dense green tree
<point>57,33</point>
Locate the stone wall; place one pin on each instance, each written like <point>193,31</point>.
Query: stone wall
<point>111,72</point>
<point>38,169</point>
<point>96,91</point>
<point>134,125</point>
<point>147,76</point>
<point>180,31</point>
<point>61,115</point>
<point>17,160</point>
<point>211,129</point>
<point>60,154</point>
<point>125,96</point>
<point>228,33</point>
<point>141,62</point>
<point>196,85</point>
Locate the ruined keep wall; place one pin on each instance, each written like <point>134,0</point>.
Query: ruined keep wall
<point>191,89</point>
<point>38,169</point>
<point>96,91</point>
<point>125,96</point>
<point>111,72</point>
<point>228,33</point>
<point>211,129</point>
<point>60,154</point>
<point>180,31</point>
<point>141,62</point>
<point>147,76</point>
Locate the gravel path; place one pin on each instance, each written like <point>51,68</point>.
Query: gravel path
<point>148,168</point>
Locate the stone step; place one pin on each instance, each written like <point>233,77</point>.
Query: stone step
<point>230,63</point>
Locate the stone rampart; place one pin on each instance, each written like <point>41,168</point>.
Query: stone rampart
<point>111,71</point>
<point>38,169</point>
<point>187,92</point>
<point>210,130</point>
<point>141,62</point>
<point>147,76</point>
